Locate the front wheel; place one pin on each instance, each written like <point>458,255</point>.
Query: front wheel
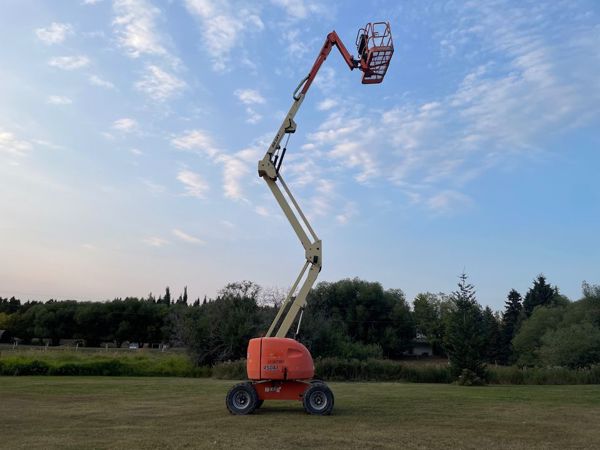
<point>318,400</point>
<point>242,399</point>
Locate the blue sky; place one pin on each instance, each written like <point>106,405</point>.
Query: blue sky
<point>130,132</point>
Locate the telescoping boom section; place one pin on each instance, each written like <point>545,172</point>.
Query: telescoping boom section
<point>279,367</point>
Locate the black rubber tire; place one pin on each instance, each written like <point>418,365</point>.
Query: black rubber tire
<point>242,399</point>
<point>318,399</point>
<point>259,403</point>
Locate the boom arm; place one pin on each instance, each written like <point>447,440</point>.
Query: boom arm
<point>268,169</point>
<point>375,48</point>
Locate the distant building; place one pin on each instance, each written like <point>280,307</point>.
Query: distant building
<point>420,346</point>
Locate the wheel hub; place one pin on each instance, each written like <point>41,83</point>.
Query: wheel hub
<point>241,400</point>
<point>318,400</point>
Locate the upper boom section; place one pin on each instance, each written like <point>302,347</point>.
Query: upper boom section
<point>375,48</point>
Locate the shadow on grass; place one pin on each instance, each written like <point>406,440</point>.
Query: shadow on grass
<point>287,410</point>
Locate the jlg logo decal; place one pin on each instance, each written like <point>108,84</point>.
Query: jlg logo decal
<point>273,389</point>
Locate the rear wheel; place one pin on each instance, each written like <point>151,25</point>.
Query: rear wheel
<point>242,399</point>
<point>318,400</point>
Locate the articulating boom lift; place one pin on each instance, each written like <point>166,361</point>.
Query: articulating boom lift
<point>281,368</point>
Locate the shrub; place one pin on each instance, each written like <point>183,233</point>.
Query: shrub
<point>469,378</point>
<point>230,370</point>
<point>19,366</point>
<point>71,363</point>
<point>336,369</point>
<point>544,375</point>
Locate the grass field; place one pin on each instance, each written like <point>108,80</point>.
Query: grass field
<point>103,412</point>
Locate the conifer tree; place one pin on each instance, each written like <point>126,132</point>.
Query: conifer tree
<point>465,338</point>
<point>492,335</point>
<point>540,294</point>
<point>167,298</point>
<point>510,321</point>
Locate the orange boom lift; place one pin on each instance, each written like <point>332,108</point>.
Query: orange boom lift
<point>280,368</point>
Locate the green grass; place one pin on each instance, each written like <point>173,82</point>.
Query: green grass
<point>103,412</point>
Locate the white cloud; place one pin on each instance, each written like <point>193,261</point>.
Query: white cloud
<point>448,202</point>
<point>356,155</point>
<point>350,210</point>
<point>187,238</point>
<point>235,167</point>
<point>202,8</point>
<point>11,145</point>
<point>253,116</point>
<point>125,125</point>
<point>47,144</point>
<point>136,152</point>
<point>327,104</point>
<point>296,44</point>
<point>55,33</point>
<point>158,84</point>
<point>326,80</point>
<point>299,9</point>
<point>155,241</point>
<point>223,28</point>
<point>97,81</point>
<point>196,140</point>
<point>262,211</point>
<point>249,96</point>
<point>195,186</point>
<point>234,170</point>
<point>152,187</point>
<point>69,62</point>
<point>59,100</point>
<point>250,154</point>
<point>135,25</point>
<point>322,202</point>
<point>91,2</point>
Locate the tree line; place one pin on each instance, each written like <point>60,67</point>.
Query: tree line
<point>349,319</point>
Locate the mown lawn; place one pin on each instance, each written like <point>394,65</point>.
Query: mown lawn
<point>106,412</point>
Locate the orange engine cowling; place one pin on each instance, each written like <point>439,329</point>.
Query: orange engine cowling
<point>272,358</point>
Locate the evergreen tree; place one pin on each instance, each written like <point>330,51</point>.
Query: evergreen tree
<point>540,294</point>
<point>185,295</point>
<point>510,321</point>
<point>167,298</point>
<point>492,335</point>
<point>465,334</point>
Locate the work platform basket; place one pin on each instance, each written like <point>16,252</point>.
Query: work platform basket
<point>375,49</point>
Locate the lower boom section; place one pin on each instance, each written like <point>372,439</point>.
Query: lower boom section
<point>245,398</point>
